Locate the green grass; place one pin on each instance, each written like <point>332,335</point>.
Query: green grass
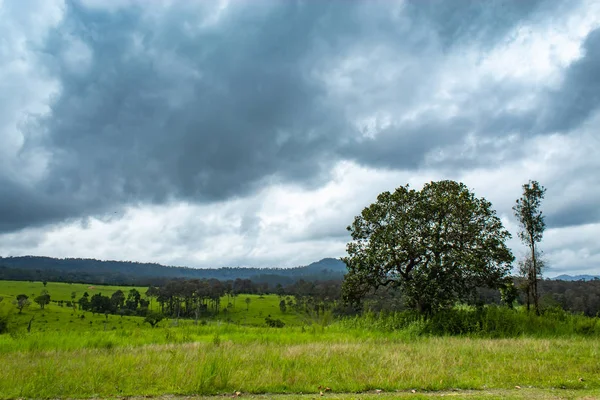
<point>255,312</point>
<point>262,363</point>
<point>59,290</point>
<point>55,317</point>
<point>67,356</point>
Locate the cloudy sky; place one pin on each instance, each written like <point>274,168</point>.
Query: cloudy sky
<point>226,133</point>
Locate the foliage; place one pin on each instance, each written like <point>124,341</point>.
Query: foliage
<point>436,245</point>
<point>5,318</point>
<point>392,351</point>
<point>489,321</point>
<point>78,270</point>
<point>532,226</point>
<point>44,298</point>
<point>509,294</point>
<point>273,322</point>
<point>21,302</point>
<point>153,318</point>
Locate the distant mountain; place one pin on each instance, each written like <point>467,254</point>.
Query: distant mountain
<point>576,277</point>
<point>327,264</point>
<point>98,271</point>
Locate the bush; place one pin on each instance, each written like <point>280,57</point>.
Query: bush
<point>153,318</point>
<point>274,323</point>
<point>5,317</point>
<point>490,321</point>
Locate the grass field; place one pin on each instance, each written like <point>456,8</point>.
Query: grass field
<point>55,317</point>
<point>65,355</point>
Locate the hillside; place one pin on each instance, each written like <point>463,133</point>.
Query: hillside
<point>127,272</point>
<point>576,277</point>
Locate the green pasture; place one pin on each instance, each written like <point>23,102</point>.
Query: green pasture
<point>220,358</point>
<point>66,356</point>
<point>57,318</point>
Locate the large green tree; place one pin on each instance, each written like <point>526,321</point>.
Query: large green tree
<point>436,245</point>
<point>532,224</point>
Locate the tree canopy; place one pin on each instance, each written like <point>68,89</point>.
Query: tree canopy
<point>436,245</point>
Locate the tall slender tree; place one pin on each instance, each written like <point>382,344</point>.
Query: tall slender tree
<point>532,226</point>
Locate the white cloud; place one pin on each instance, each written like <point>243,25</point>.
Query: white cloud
<point>25,87</point>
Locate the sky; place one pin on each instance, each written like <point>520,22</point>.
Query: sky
<point>250,133</point>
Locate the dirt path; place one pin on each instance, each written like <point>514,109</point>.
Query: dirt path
<point>528,393</point>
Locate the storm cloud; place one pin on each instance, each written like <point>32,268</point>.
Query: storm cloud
<point>111,108</point>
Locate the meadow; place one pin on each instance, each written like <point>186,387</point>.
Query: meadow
<point>98,356</point>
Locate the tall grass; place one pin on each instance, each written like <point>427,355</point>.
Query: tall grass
<point>343,365</point>
<point>466,348</point>
<point>489,322</point>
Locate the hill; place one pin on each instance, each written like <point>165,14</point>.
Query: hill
<point>127,272</point>
<point>576,277</point>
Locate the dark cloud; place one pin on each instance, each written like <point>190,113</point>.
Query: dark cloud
<point>579,94</point>
<point>578,212</point>
<point>163,113</point>
<point>405,146</point>
<point>25,206</point>
<point>172,105</point>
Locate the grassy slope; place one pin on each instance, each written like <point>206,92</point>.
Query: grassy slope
<point>54,317</point>
<point>58,290</point>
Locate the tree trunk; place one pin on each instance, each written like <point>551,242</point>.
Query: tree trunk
<point>534,278</point>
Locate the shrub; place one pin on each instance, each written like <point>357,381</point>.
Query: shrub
<point>274,323</point>
<point>490,321</point>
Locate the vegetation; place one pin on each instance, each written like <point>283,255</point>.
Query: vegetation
<point>79,270</point>
<point>213,359</point>
<point>293,351</point>
<point>436,246</point>
<point>527,210</point>
<point>430,308</point>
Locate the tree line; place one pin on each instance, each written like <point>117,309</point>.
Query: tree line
<point>208,298</point>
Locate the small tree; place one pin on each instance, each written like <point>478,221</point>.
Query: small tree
<point>21,302</point>
<point>118,299</point>
<point>152,292</point>
<point>43,299</point>
<point>282,306</point>
<point>133,299</point>
<point>531,221</point>
<point>531,273</point>
<point>508,294</point>
<point>73,302</point>
<point>4,320</point>
<point>248,300</point>
<point>84,303</point>
<point>153,318</point>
